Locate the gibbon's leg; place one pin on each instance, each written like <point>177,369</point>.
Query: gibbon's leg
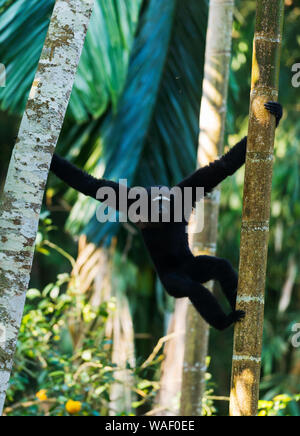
<point>180,286</point>
<point>206,268</point>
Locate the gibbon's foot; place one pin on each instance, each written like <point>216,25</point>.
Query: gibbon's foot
<point>237,316</point>
<point>232,301</point>
<point>226,321</point>
<point>275,109</point>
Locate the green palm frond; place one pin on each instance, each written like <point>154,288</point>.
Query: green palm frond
<point>103,66</point>
<point>152,138</point>
<point>23,27</point>
<point>146,133</point>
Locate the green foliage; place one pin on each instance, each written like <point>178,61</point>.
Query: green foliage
<point>20,51</point>
<point>281,405</point>
<point>208,406</point>
<point>103,66</point>
<point>157,113</point>
<point>64,355</point>
<point>47,359</point>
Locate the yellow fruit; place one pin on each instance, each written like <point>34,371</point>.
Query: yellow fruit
<point>73,407</point>
<point>262,413</point>
<point>42,395</point>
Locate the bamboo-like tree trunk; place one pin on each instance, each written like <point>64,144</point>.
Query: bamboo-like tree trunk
<point>256,210</point>
<point>28,170</point>
<point>211,144</point>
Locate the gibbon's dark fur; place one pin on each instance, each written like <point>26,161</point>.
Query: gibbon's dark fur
<point>180,272</point>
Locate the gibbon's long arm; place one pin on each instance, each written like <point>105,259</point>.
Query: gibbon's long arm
<point>86,184</point>
<point>211,175</point>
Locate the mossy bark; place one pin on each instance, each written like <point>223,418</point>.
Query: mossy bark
<point>256,209</point>
<point>211,144</point>
<point>29,167</point>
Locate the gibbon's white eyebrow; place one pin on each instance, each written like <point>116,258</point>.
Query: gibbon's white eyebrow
<point>161,197</point>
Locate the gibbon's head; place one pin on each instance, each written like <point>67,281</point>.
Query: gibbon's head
<point>156,207</point>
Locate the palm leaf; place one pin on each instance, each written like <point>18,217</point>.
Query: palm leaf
<point>150,133</point>
<point>23,29</point>
<point>103,66</point>
<point>152,138</point>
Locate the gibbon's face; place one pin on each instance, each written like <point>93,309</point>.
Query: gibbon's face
<point>159,208</point>
<point>161,203</point>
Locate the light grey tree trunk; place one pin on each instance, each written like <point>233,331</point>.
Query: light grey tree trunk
<point>29,167</point>
<point>211,144</point>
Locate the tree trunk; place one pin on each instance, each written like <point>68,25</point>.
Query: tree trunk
<point>168,400</point>
<point>30,162</point>
<point>123,354</point>
<point>211,144</point>
<point>256,209</point>
<point>119,328</point>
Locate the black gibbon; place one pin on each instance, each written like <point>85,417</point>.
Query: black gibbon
<point>181,273</point>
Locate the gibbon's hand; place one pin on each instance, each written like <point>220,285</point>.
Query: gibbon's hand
<point>275,109</point>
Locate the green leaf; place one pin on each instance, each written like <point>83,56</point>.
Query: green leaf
<point>103,65</point>
<point>33,293</point>
<point>23,29</point>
